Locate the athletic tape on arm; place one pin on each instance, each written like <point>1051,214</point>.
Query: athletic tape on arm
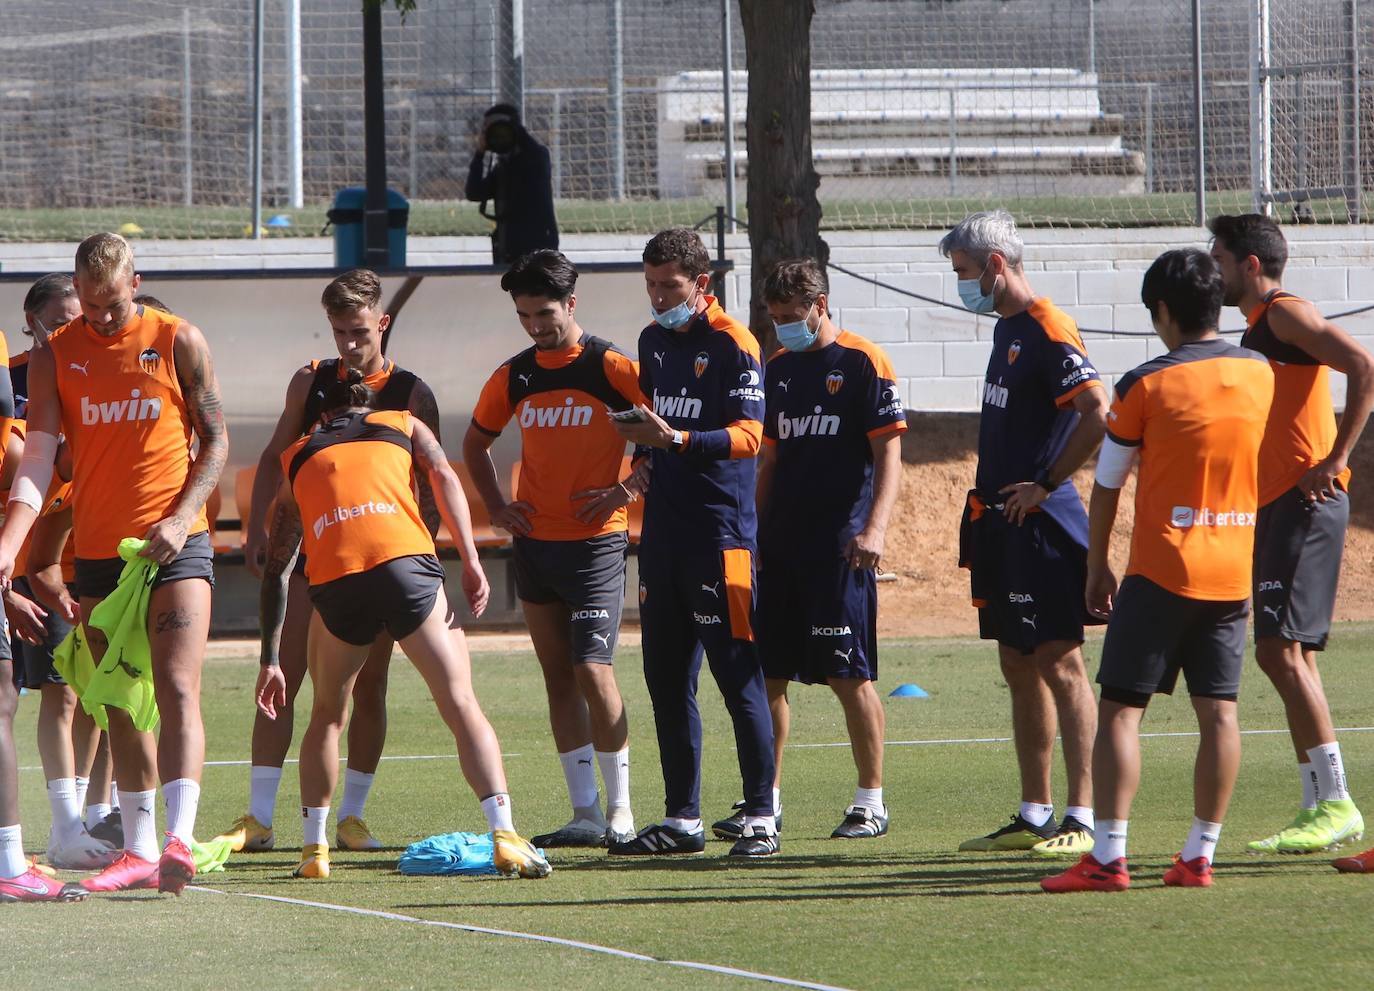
<point>35,470</point>
<point>1114,463</point>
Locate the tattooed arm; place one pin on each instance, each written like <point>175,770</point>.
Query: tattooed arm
<point>453,506</point>
<point>424,408</point>
<point>283,544</point>
<point>196,376</point>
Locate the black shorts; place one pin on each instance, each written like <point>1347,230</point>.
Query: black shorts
<point>1027,580</point>
<point>587,576</point>
<point>817,621</point>
<point>97,577</point>
<point>1298,544</point>
<point>1154,633</point>
<point>37,658</point>
<point>395,596</point>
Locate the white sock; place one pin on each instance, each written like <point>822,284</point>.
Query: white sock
<point>1330,771</point>
<point>498,812</point>
<point>868,798</point>
<point>140,825</point>
<point>312,825</point>
<point>12,860</point>
<point>95,814</point>
<point>683,825</point>
<point>1202,840</point>
<point>1309,785</point>
<point>615,771</point>
<point>66,813</point>
<point>1109,840</point>
<point>777,801</point>
<point>766,822</point>
<point>1080,812</point>
<point>114,795</point>
<point>356,786</point>
<point>183,799</point>
<point>263,782</point>
<point>580,774</point>
<point>81,785</point>
<point>1036,814</point>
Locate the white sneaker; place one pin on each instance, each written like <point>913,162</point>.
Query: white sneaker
<point>620,824</point>
<point>80,852</point>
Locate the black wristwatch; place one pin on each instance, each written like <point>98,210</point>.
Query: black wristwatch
<point>1043,480</point>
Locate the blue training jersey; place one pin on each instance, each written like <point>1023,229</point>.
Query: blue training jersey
<point>705,380</point>
<point>823,407</point>
<point>1038,365</point>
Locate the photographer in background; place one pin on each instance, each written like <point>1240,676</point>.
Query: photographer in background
<point>512,171</point>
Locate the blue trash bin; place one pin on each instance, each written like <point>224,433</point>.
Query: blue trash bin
<point>346,216</point>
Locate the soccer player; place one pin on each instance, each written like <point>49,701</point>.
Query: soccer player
<point>696,558</point>
<point>828,476</point>
<point>371,565</point>
<point>1024,534</point>
<point>353,305</point>
<point>569,524</point>
<point>1304,477</point>
<point>20,881</point>
<point>129,386</point>
<point>1194,418</point>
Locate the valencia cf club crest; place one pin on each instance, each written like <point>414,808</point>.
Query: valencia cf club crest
<point>149,359</point>
<point>1013,352</point>
<point>834,381</point>
<point>699,366</point>
<point>643,593</point>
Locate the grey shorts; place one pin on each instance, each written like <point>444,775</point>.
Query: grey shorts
<point>97,577</point>
<point>1298,545</point>
<point>37,658</point>
<point>396,596</point>
<point>1153,634</point>
<point>587,576</point>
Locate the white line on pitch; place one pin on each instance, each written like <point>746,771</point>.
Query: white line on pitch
<point>532,937</point>
<point>293,760</point>
<point>1007,739</point>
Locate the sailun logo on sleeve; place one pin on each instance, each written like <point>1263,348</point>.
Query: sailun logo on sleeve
<point>566,415</point>
<point>342,514</point>
<point>136,407</point>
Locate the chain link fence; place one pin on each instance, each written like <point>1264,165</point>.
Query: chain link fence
<point>1069,112</point>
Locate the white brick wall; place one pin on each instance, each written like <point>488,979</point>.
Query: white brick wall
<point>939,353</point>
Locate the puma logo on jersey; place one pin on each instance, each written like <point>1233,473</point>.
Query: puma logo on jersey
<point>524,378</point>
<point>658,357</point>
<point>83,368</point>
<point>136,407</point>
<point>713,589</point>
<point>342,514</point>
<point>605,639</point>
<point>682,407</point>
<point>590,614</point>
<point>784,384</point>
<point>844,654</point>
<point>814,424</point>
<point>566,415</point>
<point>1029,621</point>
<point>1273,612</point>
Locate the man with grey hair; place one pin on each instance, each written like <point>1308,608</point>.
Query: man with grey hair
<point>1024,535</point>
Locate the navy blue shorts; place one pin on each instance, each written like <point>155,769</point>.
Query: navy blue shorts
<point>817,621</point>
<point>1027,580</point>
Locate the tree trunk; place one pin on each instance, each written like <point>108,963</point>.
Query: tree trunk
<point>784,213</point>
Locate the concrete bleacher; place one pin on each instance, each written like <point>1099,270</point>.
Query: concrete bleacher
<point>914,132</point>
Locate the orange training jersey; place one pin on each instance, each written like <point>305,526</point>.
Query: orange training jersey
<point>391,387</point>
<point>568,442</point>
<point>128,426</point>
<point>1302,422</point>
<point>351,480</point>
<point>1197,414</point>
<point>57,499</point>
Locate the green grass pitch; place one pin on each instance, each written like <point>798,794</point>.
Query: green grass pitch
<point>902,911</point>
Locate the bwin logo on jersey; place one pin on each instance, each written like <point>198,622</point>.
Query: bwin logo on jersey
<point>814,424</point>
<point>699,365</point>
<point>136,407</point>
<point>995,395</point>
<point>566,415</point>
<point>590,614</point>
<point>683,407</point>
<point>834,382</point>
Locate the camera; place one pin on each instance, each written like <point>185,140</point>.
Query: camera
<point>500,134</point>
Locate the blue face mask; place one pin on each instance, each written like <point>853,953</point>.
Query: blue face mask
<point>797,335</point>
<point>973,297</point>
<point>677,316</point>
